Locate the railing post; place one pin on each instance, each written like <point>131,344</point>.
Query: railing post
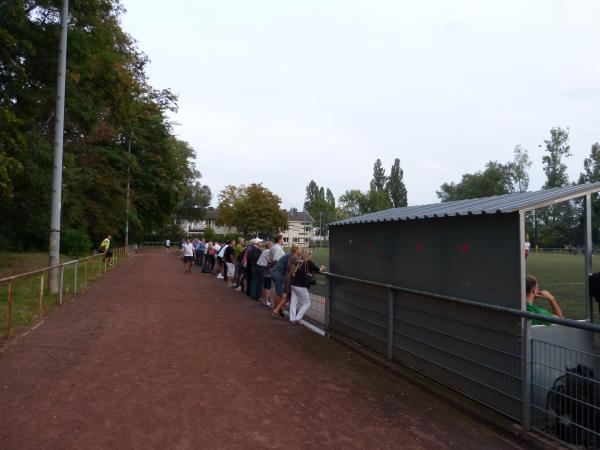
<point>526,376</point>
<point>41,303</point>
<point>328,302</point>
<point>75,280</point>
<point>62,280</point>
<point>9,308</point>
<point>390,343</point>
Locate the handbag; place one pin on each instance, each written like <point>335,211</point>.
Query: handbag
<point>309,279</point>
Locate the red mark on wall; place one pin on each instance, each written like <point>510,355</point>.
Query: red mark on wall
<point>370,245</point>
<point>419,247</point>
<point>465,248</point>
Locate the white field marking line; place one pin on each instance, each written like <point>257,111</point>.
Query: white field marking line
<point>312,328</point>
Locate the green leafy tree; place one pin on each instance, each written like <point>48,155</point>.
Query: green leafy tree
<point>258,212</point>
<point>354,203</point>
<point>496,179</point>
<point>557,148</point>
<point>320,204</point>
<point>395,186</point>
<point>379,179</point>
<point>519,169</point>
<point>109,101</point>
<point>228,199</point>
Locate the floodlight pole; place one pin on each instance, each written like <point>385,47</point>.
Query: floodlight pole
<point>127,196</point>
<point>589,268</point>
<point>54,250</point>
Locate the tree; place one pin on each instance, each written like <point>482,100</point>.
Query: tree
<point>557,148</point>
<point>354,203</point>
<point>320,204</point>
<point>258,212</point>
<point>591,174</point>
<point>519,169</point>
<point>379,179</point>
<point>558,223</point>
<point>228,199</point>
<point>395,185</point>
<point>496,179</point>
<point>109,101</point>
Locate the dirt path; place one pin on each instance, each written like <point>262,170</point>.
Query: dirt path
<point>151,358</point>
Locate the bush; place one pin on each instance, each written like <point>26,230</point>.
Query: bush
<point>75,242</point>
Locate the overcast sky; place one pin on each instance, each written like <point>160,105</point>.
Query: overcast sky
<point>283,92</point>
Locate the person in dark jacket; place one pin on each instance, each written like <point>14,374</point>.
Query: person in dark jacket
<point>253,254</point>
<point>302,268</point>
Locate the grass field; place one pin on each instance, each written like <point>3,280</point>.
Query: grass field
<point>562,275</point>
<point>26,291</point>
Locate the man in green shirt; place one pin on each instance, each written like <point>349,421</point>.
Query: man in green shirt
<point>532,291</point>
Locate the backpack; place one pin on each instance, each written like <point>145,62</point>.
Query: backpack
<point>574,402</point>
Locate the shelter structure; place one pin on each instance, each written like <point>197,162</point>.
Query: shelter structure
<point>441,288</point>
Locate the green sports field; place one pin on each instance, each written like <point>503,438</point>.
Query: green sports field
<point>563,275</point>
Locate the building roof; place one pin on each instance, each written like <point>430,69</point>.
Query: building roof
<point>299,216</point>
<point>498,204</point>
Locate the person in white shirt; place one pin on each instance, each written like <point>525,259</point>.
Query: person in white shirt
<point>221,269</point>
<point>168,244</point>
<point>188,255</point>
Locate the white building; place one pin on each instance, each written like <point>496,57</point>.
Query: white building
<point>193,227</point>
<point>300,229</point>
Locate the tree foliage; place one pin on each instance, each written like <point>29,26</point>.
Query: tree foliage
<point>320,204</point>
<point>254,210</point>
<point>384,192</point>
<point>557,148</point>
<point>108,103</point>
<point>495,179</point>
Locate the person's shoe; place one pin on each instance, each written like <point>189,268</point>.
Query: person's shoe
<point>239,288</point>
<point>220,277</point>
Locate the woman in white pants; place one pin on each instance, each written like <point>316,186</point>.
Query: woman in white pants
<point>302,270</point>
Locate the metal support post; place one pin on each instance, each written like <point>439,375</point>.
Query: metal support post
<point>41,303</point>
<point>62,279</point>
<point>75,279</point>
<point>526,335</point>
<point>9,308</point>
<point>589,268</point>
<point>390,337</point>
<point>54,250</point>
<point>328,302</point>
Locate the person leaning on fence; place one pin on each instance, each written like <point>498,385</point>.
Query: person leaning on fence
<point>264,265</point>
<point>280,275</point>
<point>105,249</point>
<point>532,292</point>
<point>301,278</point>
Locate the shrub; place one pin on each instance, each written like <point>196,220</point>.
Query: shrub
<point>75,242</point>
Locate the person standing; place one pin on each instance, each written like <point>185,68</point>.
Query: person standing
<point>279,273</point>
<point>168,244</point>
<point>187,249</point>
<point>222,269</point>
<point>105,247</point>
<point>201,253</point>
<point>238,256</point>
<point>252,256</point>
<point>264,274</point>
<point>302,269</point>
<point>229,260</point>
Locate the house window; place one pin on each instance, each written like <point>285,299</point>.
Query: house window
<point>285,239</point>
<point>296,240</point>
<point>307,229</point>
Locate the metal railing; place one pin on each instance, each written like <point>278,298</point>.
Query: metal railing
<point>27,299</point>
<point>486,352</point>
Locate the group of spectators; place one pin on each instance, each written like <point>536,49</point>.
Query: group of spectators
<point>255,269</point>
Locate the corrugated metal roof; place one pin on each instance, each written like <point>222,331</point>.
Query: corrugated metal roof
<point>499,204</point>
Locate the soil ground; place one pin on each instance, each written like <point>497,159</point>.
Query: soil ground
<point>152,358</point>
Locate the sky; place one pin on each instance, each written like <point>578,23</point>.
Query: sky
<point>281,92</point>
